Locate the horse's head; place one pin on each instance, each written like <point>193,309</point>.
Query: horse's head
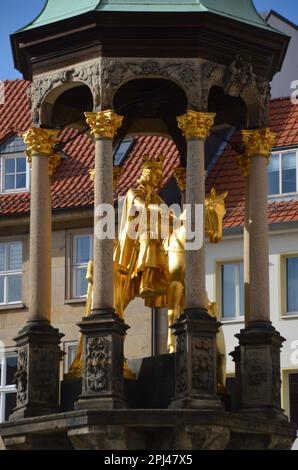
<point>215,212</point>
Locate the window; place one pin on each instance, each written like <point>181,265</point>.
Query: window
<point>292,284</point>
<point>71,352</point>
<point>8,368</point>
<point>14,167</point>
<point>282,173</point>
<point>81,254</point>
<point>232,290</point>
<point>122,150</point>
<point>11,272</point>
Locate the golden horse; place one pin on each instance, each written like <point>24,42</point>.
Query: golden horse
<point>175,246</point>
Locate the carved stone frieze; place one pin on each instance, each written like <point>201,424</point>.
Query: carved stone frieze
<point>185,72</point>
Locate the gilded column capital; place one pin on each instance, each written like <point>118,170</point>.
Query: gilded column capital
<point>196,125</point>
<point>258,142</point>
<point>117,171</point>
<point>180,177</point>
<point>104,124</point>
<point>42,141</point>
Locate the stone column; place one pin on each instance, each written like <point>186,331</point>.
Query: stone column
<point>259,356</point>
<point>103,331</point>
<point>39,355</point>
<point>196,368</point>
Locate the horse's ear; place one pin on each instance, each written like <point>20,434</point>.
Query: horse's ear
<point>225,194</point>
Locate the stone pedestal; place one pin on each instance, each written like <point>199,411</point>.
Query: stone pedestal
<point>258,370</point>
<point>38,373</point>
<point>102,384</point>
<point>196,364</point>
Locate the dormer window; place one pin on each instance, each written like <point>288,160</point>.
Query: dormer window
<point>14,167</point>
<point>283,174</point>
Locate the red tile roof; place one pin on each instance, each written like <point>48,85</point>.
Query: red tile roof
<point>71,185</point>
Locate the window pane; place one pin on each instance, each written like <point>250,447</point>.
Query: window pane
<point>228,290</point>
<point>15,256</point>
<point>81,282</point>
<point>21,181</point>
<point>10,165</point>
<point>292,285</point>
<point>2,257</point>
<point>21,165</point>
<point>273,175</point>
<point>11,368</point>
<point>14,286</point>
<point>9,182</point>
<point>10,404</point>
<point>241,288</point>
<point>289,173</point>
<point>1,289</point>
<point>82,254</point>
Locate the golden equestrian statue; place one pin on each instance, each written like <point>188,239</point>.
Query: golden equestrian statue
<point>152,267</point>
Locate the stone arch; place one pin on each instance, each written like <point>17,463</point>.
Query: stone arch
<point>184,73</point>
<point>46,88</point>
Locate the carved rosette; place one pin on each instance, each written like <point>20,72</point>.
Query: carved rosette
<point>180,177</point>
<point>196,125</point>
<point>42,141</point>
<point>104,124</point>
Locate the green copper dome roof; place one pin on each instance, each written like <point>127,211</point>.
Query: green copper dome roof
<point>57,10</point>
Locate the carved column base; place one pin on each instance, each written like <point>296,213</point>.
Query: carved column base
<point>38,373</point>
<point>196,361</point>
<point>258,377</point>
<point>103,359</point>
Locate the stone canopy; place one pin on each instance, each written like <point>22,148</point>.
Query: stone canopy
<point>240,10</point>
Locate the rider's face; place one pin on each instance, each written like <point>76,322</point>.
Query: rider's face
<point>156,177</point>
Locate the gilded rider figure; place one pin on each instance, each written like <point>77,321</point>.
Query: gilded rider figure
<point>140,258</point>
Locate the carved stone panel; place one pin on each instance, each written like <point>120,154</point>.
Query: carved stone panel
<point>97,364</point>
<point>181,366</point>
<point>43,374</point>
<point>255,376</point>
<point>21,376</point>
<point>203,364</point>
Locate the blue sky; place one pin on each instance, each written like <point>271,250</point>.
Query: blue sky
<point>17,13</point>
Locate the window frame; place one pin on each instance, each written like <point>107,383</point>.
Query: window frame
<point>280,153</point>
<point>284,286</point>
<point>8,273</point>
<point>71,281</point>
<point>5,389</point>
<point>14,155</point>
<point>238,318</point>
<point>67,347</point>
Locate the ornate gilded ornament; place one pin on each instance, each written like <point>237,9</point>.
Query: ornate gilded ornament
<point>244,163</point>
<point>180,177</point>
<point>196,125</point>
<point>104,124</point>
<point>92,175</point>
<point>258,142</point>
<point>42,141</point>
